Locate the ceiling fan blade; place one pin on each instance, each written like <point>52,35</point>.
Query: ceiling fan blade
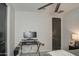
<point>61,11</point>
<point>57,7</point>
<point>45,6</point>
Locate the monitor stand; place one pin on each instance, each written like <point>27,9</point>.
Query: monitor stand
<point>30,39</point>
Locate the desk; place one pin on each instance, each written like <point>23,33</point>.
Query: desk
<point>31,42</point>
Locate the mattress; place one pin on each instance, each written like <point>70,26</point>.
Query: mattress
<point>60,53</point>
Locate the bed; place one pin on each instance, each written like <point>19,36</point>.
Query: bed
<point>60,53</point>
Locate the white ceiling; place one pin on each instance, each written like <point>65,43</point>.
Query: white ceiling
<point>34,6</point>
<point>69,6</point>
<point>27,6</point>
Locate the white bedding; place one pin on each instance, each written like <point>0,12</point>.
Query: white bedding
<point>60,53</point>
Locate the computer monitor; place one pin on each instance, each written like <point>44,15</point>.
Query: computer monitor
<point>29,34</point>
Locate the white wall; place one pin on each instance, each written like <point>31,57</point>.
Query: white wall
<point>42,23</point>
<point>70,25</point>
<point>10,29</point>
<point>31,21</point>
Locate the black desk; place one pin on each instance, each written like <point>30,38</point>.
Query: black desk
<point>31,42</point>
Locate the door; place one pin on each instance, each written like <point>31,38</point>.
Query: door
<point>3,29</point>
<point>56,31</point>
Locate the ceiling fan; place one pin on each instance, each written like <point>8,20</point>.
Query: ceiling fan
<point>56,9</point>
